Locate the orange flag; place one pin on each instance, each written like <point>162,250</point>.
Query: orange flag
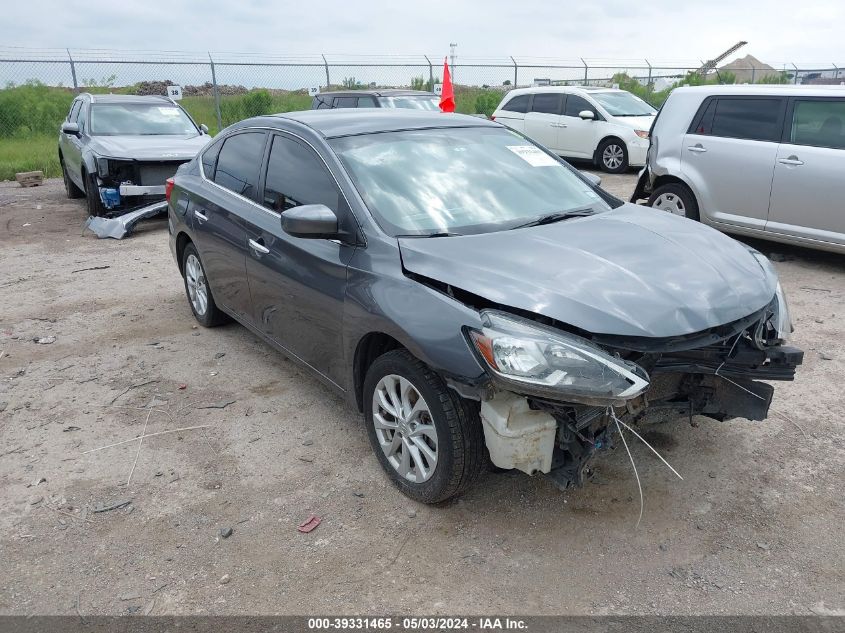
<point>447,95</point>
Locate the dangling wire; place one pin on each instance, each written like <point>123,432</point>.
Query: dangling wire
<point>642,439</point>
<point>636,474</point>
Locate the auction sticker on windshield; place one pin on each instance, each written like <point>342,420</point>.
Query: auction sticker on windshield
<point>533,155</point>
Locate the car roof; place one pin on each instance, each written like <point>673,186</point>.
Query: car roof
<point>790,90</point>
<point>110,98</point>
<point>392,92</point>
<point>352,121</point>
<point>559,89</point>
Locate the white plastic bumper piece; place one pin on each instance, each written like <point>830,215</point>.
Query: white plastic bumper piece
<point>516,436</point>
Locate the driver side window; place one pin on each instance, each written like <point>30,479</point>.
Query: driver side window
<point>296,176</point>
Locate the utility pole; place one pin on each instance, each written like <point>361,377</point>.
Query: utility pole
<point>452,47</point>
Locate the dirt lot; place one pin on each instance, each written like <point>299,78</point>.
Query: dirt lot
<point>755,527</point>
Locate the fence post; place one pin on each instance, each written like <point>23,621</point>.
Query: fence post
<point>515,72</point>
<point>586,69</point>
<point>649,88</point>
<point>430,74</point>
<point>328,81</point>
<point>72,71</point>
<point>835,68</point>
<point>795,81</point>
<point>216,92</point>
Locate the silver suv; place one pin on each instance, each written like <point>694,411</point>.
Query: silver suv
<point>763,161</point>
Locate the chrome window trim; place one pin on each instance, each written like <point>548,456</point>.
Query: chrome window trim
<point>253,202</point>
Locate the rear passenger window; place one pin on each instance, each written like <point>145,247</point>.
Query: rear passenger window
<point>575,105</point>
<point>546,103</point>
<point>296,176</point>
<point>819,123</point>
<point>518,104</point>
<point>209,160</point>
<point>346,102</point>
<point>367,102</point>
<point>238,162</point>
<point>752,119</point>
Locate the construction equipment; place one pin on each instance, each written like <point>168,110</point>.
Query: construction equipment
<point>711,64</point>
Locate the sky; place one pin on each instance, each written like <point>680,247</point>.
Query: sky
<point>659,30</point>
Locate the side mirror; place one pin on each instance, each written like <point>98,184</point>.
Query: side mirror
<point>314,221</point>
<point>69,127</point>
<point>203,128</point>
<point>592,178</point>
<point>587,115</point>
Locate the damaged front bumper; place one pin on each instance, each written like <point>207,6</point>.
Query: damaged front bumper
<point>119,179</point>
<point>720,380</point>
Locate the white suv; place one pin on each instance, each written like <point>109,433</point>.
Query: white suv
<point>763,161</point>
<point>607,126</point>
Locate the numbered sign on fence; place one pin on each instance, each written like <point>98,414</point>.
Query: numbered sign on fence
<point>174,92</point>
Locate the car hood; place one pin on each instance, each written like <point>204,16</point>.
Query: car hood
<point>153,147</point>
<point>635,122</point>
<point>627,272</point>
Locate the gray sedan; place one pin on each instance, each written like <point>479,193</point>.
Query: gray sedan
<point>117,151</point>
<point>477,299</point>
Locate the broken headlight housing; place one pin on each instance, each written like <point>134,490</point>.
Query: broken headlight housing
<point>780,322</point>
<point>529,358</point>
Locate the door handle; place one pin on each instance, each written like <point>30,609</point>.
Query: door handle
<point>200,216</point>
<point>792,160</point>
<point>558,125</point>
<point>258,247</point>
<point>698,149</point>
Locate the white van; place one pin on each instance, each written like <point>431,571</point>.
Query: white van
<point>607,126</point>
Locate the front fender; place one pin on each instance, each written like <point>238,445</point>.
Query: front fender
<point>430,324</point>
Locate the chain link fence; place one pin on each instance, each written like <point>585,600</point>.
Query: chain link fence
<point>38,85</point>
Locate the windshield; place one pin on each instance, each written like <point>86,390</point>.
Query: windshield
<point>410,102</point>
<point>112,119</point>
<point>623,103</point>
<point>460,180</point>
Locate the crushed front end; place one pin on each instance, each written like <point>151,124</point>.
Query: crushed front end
<point>556,396</point>
<point>126,183</point>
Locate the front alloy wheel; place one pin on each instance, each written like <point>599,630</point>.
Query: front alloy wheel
<point>676,199</point>
<point>404,428</point>
<point>613,156</point>
<point>427,438</point>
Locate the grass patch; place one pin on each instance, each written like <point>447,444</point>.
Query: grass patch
<point>39,153</point>
<point>31,114</point>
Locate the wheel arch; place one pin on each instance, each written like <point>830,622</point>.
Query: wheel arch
<point>602,141</point>
<point>369,348</point>
<point>182,241</point>
<point>669,179</point>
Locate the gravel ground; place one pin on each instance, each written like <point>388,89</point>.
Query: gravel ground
<point>755,527</point>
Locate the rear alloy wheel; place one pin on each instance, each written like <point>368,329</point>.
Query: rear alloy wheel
<point>73,192</point>
<point>676,199</point>
<point>613,156</point>
<point>199,294</point>
<point>427,438</point>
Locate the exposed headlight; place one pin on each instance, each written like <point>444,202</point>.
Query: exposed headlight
<point>780,321</point>
<point>103,167</point>
<point>529,358</point>
<point>641,133</point>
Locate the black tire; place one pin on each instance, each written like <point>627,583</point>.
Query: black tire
<point>213,315</point>
<point>607,156</point>
<point>73,192</point>
<point>460,438</point>
<point>92,196</point>
<point>678,199</point>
